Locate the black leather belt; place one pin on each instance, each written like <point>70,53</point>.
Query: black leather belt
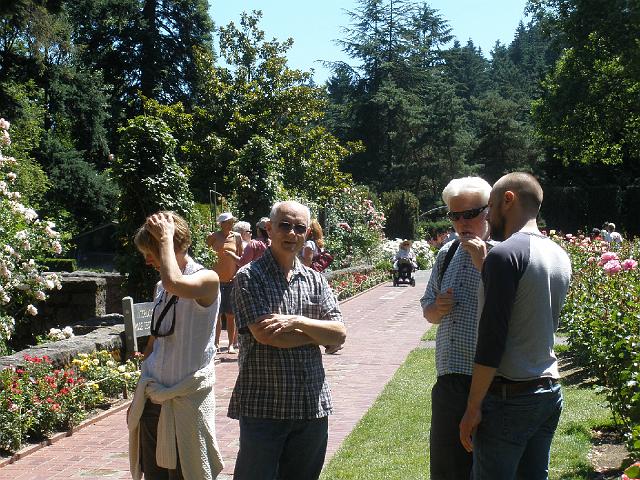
<point>508,388</point>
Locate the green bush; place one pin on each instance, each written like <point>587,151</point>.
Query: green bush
<point>431,229</point>
<point>150,179</point>
<point>60,264</point>
<point>354,227</point>
<point>401,209</point>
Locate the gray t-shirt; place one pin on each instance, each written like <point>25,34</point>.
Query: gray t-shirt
<point>525,282</point>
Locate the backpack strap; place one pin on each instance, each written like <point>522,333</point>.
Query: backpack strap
<point>447,260</point>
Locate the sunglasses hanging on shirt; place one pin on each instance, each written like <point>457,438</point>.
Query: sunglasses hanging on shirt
<point>155,327</point>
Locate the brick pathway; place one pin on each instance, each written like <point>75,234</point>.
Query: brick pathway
<point>383,326</point>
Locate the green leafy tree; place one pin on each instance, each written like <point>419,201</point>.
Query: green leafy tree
<point>589,111</point>
<point>255,131</point>
<point>150,179</point>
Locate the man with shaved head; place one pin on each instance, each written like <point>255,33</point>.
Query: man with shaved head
<point>515,400</point>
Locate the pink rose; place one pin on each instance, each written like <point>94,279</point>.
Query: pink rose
<point>345,226</point>
<point>612,266</point>
<point>607,257</point>
<point>629,264</point>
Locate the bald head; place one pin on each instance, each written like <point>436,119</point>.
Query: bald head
<point>526,188</point>
<point>279,207</point>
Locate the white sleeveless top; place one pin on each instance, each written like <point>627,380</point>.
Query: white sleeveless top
<point>191,346</point>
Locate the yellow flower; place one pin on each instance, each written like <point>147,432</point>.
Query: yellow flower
<point>96,361</point>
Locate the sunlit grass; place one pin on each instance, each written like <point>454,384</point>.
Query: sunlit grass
<point>392,440</point>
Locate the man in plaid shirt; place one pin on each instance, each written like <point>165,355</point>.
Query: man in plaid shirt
<point>283,312</point>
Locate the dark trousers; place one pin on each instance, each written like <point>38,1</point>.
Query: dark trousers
<point>148,441</point>
<point>448,458</point>
<point>281,449</point>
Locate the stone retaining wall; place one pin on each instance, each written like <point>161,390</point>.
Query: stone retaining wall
<point>107,334</point>
<point>83,295</point>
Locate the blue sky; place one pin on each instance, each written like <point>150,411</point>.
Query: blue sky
<point>315,25</point>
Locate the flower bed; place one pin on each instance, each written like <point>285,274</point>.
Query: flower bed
<point>350,283</point>
<point>38,399</point>
<point>601,318</point>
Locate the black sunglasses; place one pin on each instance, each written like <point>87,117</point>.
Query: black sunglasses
<point>155,327</point>
<point>466,214</point>
<point>298,228</point>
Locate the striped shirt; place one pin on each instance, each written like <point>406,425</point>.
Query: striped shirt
<point>280,383</point>
<point>458,330</point>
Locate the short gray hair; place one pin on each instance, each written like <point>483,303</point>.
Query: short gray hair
<point>466,186</point>
<point>242,227</point>
<point>275,210</point>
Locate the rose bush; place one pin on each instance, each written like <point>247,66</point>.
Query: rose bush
<point>601,319</point>
<point>38,399</point>
<point>25,240</point>
<point>355,227</point>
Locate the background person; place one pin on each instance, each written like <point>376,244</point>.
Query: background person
<point>284,311</point>
<point>172,417</point>
<point>450,301</point>
<point>256,247</point>
<point>314,243</point>
<point>614,237</point>
<point>515,399</point>
<point>244,229</point>
<point>405,253</point>
<point>223,241</point>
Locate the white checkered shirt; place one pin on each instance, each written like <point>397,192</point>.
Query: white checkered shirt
<point>280,383</point>
<point>458,330</point>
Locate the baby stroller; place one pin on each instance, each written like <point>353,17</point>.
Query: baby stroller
<point>404,272</point>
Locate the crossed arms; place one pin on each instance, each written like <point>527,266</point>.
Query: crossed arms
<point>287,331</point>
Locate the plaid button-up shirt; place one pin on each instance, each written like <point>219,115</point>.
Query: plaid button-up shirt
<point>280,383</point>
<point>458,330</point>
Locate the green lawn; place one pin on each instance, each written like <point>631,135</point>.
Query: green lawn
<point>391,440</point>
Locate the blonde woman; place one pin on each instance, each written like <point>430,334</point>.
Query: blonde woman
<point>172,417</point>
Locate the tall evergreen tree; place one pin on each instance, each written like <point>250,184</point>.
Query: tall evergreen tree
<point>395,98</point>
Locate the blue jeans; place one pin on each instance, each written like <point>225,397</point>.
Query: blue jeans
<point>514,437</point>
<point>281,449</point>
